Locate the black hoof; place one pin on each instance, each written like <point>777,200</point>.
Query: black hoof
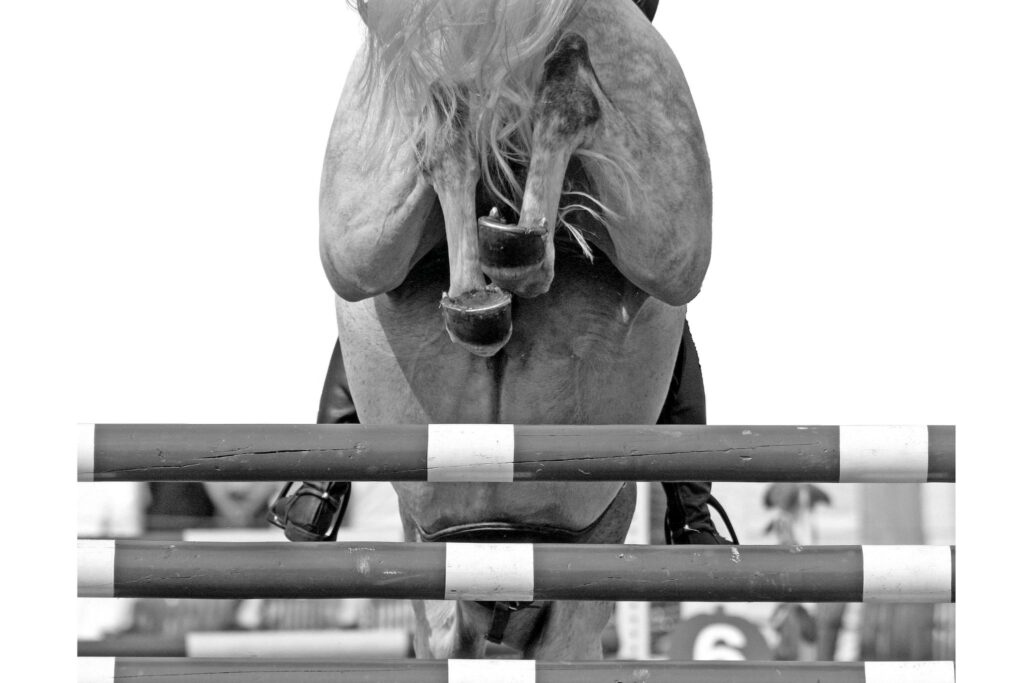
<point>509,248</point>
<point>479,321</point>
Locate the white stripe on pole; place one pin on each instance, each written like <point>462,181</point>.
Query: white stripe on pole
<point>391,533</point>
<point>95,669</point>
<point>372,644</point>
<point>632,618</point>
<point>86,452</point>
<point>96,569</point>
<point>909,672</point>
<point>213,535</point>
<point>920,573</point>
<point>897,453</point>
<point>492,671</point>
<point>470,452</point>
<point>488,571</point>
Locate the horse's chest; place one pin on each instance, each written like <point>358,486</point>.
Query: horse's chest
<point>589,351</point>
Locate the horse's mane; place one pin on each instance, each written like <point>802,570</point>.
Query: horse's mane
<point>431,61</point>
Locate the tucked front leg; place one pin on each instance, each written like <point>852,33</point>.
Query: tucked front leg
<point>565,116</point>
<point>454,175</point>
<point>659,227</point>
<point>477,316</point>
<point>378,214</point>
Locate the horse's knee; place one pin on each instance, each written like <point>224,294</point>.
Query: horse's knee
<point>567,103</point>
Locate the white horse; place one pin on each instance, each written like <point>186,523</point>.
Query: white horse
<point>569,123</point>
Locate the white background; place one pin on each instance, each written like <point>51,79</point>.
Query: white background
<point>159,194</point>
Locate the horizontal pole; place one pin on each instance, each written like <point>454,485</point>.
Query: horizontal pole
<point>514,572</point>
<point>507,671</point>
<point>388,533</point>
<point>392,643</point>
<point>505,453</point>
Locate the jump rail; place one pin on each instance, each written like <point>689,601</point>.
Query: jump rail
<point>106,670</point>
<point>483,571</point>
<point>392,643</point>
<point>354,534</point>
<point>505,453</point>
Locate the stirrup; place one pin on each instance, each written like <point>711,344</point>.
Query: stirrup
<point>313,512</point>
<point>709,536</point>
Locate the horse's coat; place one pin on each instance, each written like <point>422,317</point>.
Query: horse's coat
<point>593,342</point>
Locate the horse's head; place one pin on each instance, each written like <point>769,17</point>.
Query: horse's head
<point>500,99</point>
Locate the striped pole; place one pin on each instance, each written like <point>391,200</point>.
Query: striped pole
<point>516,572</point>
<point>391,533</point>
<point>505,453</point>
<point>392,643</point>
<point>106,670</point>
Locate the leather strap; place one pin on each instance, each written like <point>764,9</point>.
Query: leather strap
<point>499,622</point>
<point>515,532</point>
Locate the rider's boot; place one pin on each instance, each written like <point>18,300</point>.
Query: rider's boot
<point>313,510</point>
<point>687,519</point>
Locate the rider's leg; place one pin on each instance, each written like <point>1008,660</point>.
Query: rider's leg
<point>312,510</point>
<point>336,406</point>
<point>687,520</point>
<point>648,7</point>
